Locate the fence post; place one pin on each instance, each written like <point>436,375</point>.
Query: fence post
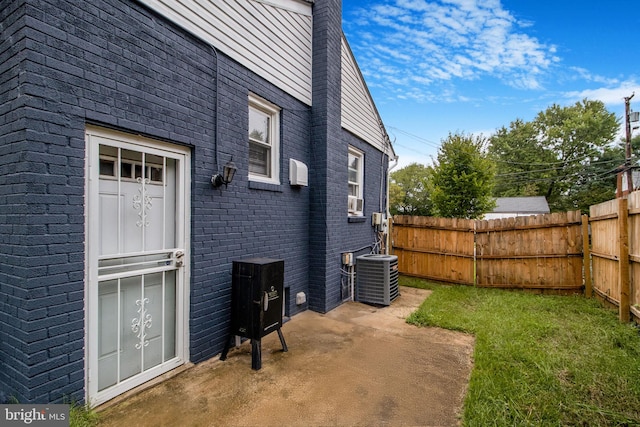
<point>586,251</point>
<point>625,286</point>
<point>475,253</point>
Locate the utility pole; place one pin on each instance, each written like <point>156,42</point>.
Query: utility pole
<point>627,161</point>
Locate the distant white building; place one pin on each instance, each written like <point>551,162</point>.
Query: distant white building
<point>507,207</point>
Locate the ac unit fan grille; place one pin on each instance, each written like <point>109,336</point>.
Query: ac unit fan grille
<point>377,279</point>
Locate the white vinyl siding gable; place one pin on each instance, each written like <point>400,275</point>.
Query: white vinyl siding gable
<point>359,115</point>
<point>271,38</point>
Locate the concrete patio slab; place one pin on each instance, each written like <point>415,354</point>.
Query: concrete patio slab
<point>357,365</point>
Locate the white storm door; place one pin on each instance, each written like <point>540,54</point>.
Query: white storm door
<point>138,198</point>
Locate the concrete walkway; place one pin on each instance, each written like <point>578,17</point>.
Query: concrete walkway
<point>357,365</point>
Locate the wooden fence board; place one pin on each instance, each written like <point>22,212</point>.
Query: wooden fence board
<point>623,243</point>
<point>603,209</point>
<point>634,252</point>
<point>434,248</point>
<point>603,270</point>
<point>534,252</point>
<point>605,250</point>
<point>537,252</point>
<point>586,258</point>
<point>562,251</point>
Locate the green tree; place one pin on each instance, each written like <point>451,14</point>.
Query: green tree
<point>578,136</point>
<point>409,191</point>
<point>597,182</point>
<point>522,162</point>
<point>564,154</point>
<point>463,178</point>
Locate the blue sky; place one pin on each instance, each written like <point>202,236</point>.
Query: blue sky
<point>472,66</point>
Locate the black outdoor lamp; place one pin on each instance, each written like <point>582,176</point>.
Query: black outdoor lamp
<point>227,175</point>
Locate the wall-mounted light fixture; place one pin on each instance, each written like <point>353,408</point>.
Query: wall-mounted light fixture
<point>227,175</point>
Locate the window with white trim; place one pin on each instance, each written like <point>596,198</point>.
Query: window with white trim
<point>264,141</point>
<point>356,177</point>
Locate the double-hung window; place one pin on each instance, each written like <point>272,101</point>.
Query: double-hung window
<point>264,141</point>
<point>356,177</point>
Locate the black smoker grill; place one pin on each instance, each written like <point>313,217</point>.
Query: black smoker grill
<point>256,303</point>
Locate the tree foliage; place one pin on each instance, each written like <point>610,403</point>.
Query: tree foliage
<point>409,191</point>
<point>522,163</point>
<point>462,178</point>
<point>565,154</point>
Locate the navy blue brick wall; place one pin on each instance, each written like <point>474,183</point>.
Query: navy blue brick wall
<point>331,232</point>
<point>116,64</point>
<point>328,172</point>
<point>41,209</point>
<point>65,64</point>
<point>248,219</point>
<point>12,53</point>
<point>361,234</point>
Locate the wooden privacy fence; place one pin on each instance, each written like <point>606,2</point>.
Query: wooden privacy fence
<point>615,254</point>
<point>541,252</point>
<point>531,252</point>
<point>435,248</point>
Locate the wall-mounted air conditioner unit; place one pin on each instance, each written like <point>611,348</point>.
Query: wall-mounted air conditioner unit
<point>377,279</point>
<point>355,204</point>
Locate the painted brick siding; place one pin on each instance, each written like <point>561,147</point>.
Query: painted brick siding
<point>247,219</point>
<point>362,235</point>
<point>11,292</point>
<point>41,209</point>
<point>114,63</point>
<point>331,232</point>
<point>328,174</point>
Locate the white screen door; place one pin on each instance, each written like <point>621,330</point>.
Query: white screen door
<point>137,222</point>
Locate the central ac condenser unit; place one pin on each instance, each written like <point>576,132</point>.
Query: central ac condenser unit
<point>377,279</point>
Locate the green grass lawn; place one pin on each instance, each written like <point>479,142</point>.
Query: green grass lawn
<point>540,360</point>
<point>82,416</point>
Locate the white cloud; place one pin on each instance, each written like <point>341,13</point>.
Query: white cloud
<point>585,74</point>
<point>612,96</point>
<point>426,42</point>
<point>524,81</point>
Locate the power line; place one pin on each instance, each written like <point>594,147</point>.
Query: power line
<point>533,171</point>
<point>422,153</point>
<point>512,174</point>
<point>418,138</point>
<point>600,177</point>
<point>585,157</point>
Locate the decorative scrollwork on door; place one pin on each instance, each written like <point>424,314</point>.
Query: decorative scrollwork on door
<point>140,324</point>
<point>142,202</point>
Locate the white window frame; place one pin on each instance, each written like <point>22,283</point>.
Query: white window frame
<point>355,206</point>
<point>273,112</point>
